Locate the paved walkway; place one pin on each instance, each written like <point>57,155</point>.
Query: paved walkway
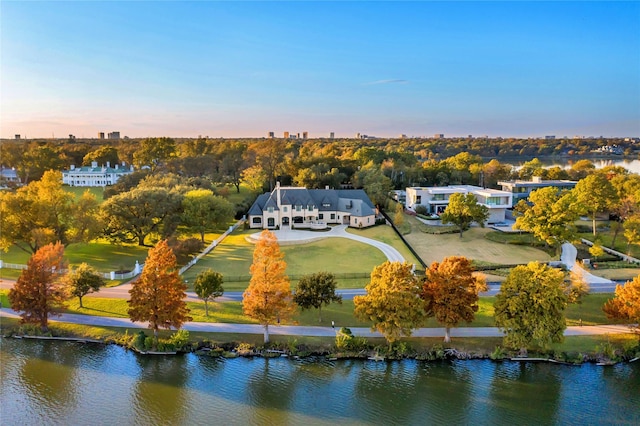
<point>568,257</point>
<point>294,330</point>
<point>287,236</point>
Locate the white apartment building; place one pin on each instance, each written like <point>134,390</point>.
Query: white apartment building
<point>436,199</point>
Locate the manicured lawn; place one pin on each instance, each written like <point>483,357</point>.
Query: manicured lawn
<point>472,245</point>
<point>77,191</point>
<point>234,256</point>
<point>102,255</point>
<point>590,312</point>
<point>386,235</point>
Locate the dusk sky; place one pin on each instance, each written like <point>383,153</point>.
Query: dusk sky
<point>234,69</point>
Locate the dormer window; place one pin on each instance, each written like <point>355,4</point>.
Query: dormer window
<point>298,208</point>
<point>270,209</point>
<point>326,204</point>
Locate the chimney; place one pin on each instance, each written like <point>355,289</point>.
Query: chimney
<point>278,193</point>
<point>94,164</point>
<point>108,164</point>
<point>73,167</point>
<point>326,187</point>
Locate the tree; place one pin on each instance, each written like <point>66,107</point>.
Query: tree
<point>463,210</point>
<point>596,251</point>
<point>549,215</point>
<point>375,184</point>
<point>254,177</point>
<point>632,230</point>
<point>39,291</point>
<point>268,298</point>
<point>398,217</point>
<point>596,195</point>
<point>202,211</point>
<point>153,152</point>
<point>103,155</point>
<point>83,280</point>
<point>134,215</point>
<point>208,286</point>
<point>626,303</point>
<point>450,292</point>
<point>36,214</point>
<point>530,306</point>
<point>85,219</point>
<point>392,302</point>
<point>157,296</point>
<point>316,290</point>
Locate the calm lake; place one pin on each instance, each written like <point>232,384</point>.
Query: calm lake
<point>63,383</point>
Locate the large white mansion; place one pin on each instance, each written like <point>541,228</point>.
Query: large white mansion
<point>95,175</point>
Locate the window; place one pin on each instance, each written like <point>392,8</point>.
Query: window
<point>321,216</point>
<point>257,220</point>
<point>355,220</point>
<point>494,201</point>
<point>270,209</point>
<point>326,204</point>
<point>285,209</point>
<point>333,216</point>
<point>298,208</point>
<point>418,199</point>
<point>438,197</point>
<point>271,222</point>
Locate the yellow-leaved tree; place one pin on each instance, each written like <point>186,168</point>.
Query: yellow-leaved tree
<point>392,302</point>
<point>268,299</point>
<point>158,296</point>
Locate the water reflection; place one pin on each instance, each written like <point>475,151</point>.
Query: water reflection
<point>160,394</point>
<point>60,383</point>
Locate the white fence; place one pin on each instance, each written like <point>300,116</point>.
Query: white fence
<point>210,247</point>
<point>622,256</point>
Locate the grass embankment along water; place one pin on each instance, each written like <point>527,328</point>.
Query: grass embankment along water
<point>477,345</point>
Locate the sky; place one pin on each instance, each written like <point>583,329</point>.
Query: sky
<point>243,69</point>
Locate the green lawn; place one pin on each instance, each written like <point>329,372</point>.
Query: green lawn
<point>387,235</point>
<point>590,312</point>
<point>234,256</point>
<point>77,191</point>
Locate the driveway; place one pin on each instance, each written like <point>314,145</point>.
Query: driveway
<point>295,236</point>
<point>568,257</point>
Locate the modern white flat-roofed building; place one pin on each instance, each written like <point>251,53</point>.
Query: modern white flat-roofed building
<point>95,175</point>
<point>436,199</point>
<point>300,207</point>
<point>521,189</point>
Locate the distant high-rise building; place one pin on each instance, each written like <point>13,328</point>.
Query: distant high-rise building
<point>101,135</point>
<point>438,136</point>
<point>286,135</point>
<point>305,135</point>
<point>113,135</point>
<point>298,135</point>
<point>551,137</point>
<point>403,136</point>
<point>357,135</point>
<point>17,136</point>
<point>271,134</point>
<point>332,135</point>
<point>470,136</point>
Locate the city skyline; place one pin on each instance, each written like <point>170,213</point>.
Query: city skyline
<point>222,69</point>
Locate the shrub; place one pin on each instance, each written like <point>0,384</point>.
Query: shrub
<point>179,339</point>
<point>420,209</point>
<point>498,353</point>
<point>138,341</point>
<point>185,249</point>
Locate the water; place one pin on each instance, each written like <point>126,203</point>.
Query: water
<point>631,165</point>
<point>62,383</point>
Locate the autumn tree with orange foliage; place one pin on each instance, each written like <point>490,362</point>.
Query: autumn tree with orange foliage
<point>158,296</point>
<point>268,299</point>
<point>626,303</point>
<point>450,292</point>
<point>40,291</point>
